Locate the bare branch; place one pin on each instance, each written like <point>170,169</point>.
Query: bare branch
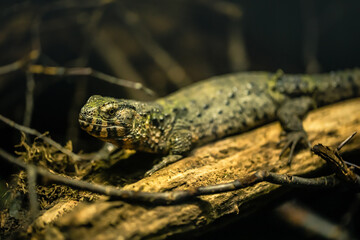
<point>117,59</point>
<point>86,71</point>
<point>181,196</point>
<point>34,204</point>
<point>29,99</point>
<point>121,82</point>
<point>310,37</point>
<point>346,141</point>
<point>12,67</point>
<point>30,81</point>
<point>18,64</point>
<point>80,92</point>
<point>309,220</point>
<point>238,56</point>
<point>162,58</point>
<point>333,158</point>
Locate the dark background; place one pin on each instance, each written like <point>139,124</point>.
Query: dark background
<point>167,45</point>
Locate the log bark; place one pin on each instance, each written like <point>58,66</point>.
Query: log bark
<point>219,162</point>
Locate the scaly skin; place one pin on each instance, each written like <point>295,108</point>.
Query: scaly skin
<point>214,108</point>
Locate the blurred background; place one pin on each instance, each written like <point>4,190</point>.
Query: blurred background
<point>164,45</point>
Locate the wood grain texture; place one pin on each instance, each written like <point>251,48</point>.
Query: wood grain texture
<point>219,162</point>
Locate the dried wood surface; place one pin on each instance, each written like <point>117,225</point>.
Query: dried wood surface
<point>219,162</point>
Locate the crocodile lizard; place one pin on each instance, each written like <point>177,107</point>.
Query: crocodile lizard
<point>214,108</point>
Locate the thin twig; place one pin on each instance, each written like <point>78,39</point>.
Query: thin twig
<point>352,164</point>
<point>11,67</point>
<point>118,61</point>
<point>351,212</point>
<point>237,53</point>
<point>161,57</point>
<point>311,221</point>
<point>86,71</point>
<point>75,71</point>
<point>122,82</point>
<point>80,92</point>
<point>229,9</point>
<point>18,64</point>
<point>29,99</point>
<point>34,204</point>
<point>310,37</point>
<point>345,141</point>
<point>30,81</point>
<point>34,132</point>
<point>68,5</point>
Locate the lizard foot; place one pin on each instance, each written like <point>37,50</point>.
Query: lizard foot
<point>163,163</point>
<point>291,140</point>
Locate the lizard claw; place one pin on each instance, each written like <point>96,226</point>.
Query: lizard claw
<point>163,163</point>
<point>291,140</point>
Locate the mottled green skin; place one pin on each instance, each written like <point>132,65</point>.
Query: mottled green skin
<point>214,108</point>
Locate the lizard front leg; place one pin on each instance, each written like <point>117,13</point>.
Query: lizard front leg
<point>180,142</point>
<point>290,115</point>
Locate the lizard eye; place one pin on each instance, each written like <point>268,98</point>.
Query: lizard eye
<point>108,111</point>
<point>111,112</point>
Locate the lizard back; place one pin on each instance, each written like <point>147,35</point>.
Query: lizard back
<point>223,105</point>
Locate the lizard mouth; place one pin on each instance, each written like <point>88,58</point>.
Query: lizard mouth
<point>102,131</point>
<point>84,124</point>
<point>86,121</point>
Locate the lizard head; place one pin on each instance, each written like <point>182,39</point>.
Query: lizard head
<point>109,119</point>
<point>119,121</point>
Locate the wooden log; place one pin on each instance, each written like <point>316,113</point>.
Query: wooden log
<point>219,162</point>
